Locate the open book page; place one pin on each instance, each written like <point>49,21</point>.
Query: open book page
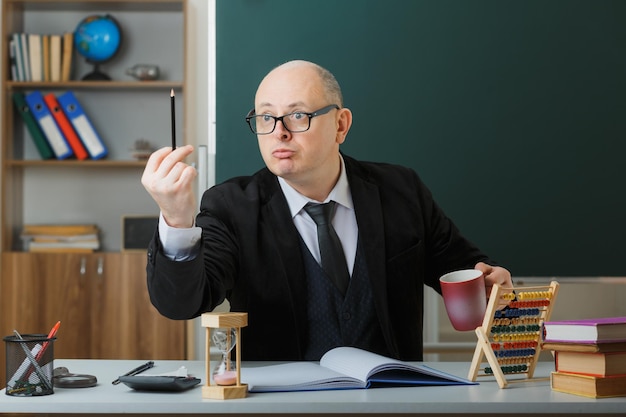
<point>370,367</point>
<point>344,368</point>
<point>296,376</point>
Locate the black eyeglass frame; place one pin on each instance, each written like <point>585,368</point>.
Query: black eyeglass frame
<point>311,115</point>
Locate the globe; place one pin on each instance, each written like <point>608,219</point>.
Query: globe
<point>97,38</point>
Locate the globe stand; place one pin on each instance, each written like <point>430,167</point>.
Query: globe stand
<point>96,74</point>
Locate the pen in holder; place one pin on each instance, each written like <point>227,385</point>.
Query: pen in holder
<point>29,364</point>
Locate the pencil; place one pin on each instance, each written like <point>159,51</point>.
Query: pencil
<point>136,371</point>
<point>172,100</point>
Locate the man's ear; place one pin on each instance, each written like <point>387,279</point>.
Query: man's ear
<point>344,121</point>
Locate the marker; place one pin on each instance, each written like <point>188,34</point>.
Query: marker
<point>51,334</point>
<point>40,354</point>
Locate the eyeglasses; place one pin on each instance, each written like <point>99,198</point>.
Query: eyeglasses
<point>296,122</point>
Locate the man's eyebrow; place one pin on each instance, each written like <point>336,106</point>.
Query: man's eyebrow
<point>291,106</point>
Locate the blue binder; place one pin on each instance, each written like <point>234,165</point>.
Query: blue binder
<point>82,125</point>
<point>44,118</point>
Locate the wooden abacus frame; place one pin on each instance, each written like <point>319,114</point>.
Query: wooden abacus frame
<point>510,338</point>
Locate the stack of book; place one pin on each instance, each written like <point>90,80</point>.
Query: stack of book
<point>61,238</point>
<point>590,356</point>
<point>41,57</point>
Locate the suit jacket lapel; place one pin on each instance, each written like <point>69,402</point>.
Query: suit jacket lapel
<point>369,216</point>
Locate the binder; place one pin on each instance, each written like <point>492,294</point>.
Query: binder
<point>83,126</point>
<point>33,128</point>
<point>66,127</point>
<point>47,124</point>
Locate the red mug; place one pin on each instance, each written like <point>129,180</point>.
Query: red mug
<point>465,298</point>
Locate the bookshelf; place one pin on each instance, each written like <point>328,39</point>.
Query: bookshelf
<point>106,287</point>
<point>122,110</point>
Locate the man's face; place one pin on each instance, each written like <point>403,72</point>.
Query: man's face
<point>305,157</point>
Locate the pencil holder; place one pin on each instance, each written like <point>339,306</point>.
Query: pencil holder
<point>29,365</point>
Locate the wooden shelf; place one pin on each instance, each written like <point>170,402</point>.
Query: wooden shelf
<point>93,5</point>
<point>104,163</point>
<point>103,85</point>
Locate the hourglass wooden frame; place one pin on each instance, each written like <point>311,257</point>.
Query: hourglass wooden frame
<point>510,339</point>
<point>224,320</point>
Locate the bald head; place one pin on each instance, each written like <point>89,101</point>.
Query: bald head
<point>307,157</point>
<point>325,81</point>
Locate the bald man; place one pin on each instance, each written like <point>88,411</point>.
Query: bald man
<point>254,243</point>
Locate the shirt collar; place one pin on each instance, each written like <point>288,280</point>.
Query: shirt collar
<point>340,193</point>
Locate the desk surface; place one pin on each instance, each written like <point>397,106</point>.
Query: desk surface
<point>527,397</point>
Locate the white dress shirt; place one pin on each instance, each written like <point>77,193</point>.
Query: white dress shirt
<point>181,244</point>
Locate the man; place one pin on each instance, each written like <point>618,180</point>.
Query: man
<point>255,244</point>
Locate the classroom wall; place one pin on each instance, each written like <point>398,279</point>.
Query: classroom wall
<point>511,111</point>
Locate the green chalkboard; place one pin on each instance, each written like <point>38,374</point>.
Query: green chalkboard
<point>513,112</point>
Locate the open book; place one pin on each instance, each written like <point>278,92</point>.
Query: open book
<point>344,368</point>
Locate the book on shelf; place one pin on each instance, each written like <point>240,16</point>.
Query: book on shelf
<point>55,57</point>
<point>59,229</point>
<point>66,57</point>
<point>25,56</point>
<point>609,329</point>
<point>43,147</point>
<point>591,363</point>
<point>46,122</point>
<point>65,126</point>
<point>587,385</point>
<point>13,60</point>
<point>45,57</point>
<point>19,61</point>
<point>344,368</point>
<point>585,347</point>
<point>69,246</point>
<point>76,237</point>
<point>35,57</point>
<point>82,124</point>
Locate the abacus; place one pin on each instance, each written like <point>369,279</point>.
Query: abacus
<point>510,337</point>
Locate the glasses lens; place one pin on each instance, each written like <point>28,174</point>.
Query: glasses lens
<point>297,122</point>
<point>262,124</point>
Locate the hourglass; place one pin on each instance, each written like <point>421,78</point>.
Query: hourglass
<point>225,373</point>
<point>224,331</point>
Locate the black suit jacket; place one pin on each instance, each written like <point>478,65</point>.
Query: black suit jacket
<point>251,256</point>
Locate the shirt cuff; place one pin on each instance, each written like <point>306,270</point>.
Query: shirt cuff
<point>179,244</point>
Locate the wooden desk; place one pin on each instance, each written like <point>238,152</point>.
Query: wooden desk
<point>523,398</point>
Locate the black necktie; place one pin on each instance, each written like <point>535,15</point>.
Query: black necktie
<point>333,259</point>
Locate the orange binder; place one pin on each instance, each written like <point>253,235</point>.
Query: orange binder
<point>66,127</point>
